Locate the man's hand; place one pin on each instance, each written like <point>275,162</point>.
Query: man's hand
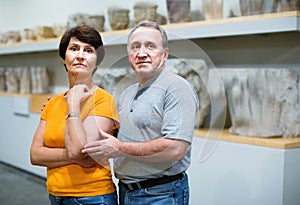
<point>108,147</point>
<point>44,104</point>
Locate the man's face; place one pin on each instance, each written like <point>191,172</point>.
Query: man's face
<point>146,53</point>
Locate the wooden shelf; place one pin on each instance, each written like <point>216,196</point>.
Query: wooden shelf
<point>36,100</point>
<point>273,142</point>
<point>246,25</point>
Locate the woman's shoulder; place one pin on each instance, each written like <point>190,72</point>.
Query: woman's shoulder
<point>54,101</point>
<point>101,93</point>
<point>55,98</point>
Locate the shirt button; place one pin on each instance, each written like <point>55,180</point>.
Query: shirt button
<point>131,110</point>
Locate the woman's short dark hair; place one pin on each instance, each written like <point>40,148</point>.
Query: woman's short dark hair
<point>85,34</point>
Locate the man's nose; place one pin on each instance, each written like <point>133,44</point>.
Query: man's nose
<point>142,51</point>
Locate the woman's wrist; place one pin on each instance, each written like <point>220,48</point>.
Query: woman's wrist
<point>77,115</point>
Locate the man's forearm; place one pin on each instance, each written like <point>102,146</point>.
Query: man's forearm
<point>158,150</point>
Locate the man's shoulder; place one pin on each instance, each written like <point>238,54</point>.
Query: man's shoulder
<point>173,78</point>
<point>130,89</point>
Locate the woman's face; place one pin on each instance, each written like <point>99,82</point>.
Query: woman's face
<point>80,57</point>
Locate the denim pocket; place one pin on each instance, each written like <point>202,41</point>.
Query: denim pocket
<point>107,199</point>
<point>163,189</point>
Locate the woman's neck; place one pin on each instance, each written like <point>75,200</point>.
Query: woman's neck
<point>88,82</point>
<point>79,78</point>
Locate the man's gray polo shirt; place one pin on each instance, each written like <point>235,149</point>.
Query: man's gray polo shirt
<point>165,107</point>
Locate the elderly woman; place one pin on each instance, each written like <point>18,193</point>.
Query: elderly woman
<point>72,119</point>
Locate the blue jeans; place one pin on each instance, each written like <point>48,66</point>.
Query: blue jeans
<point>172,193</point>
<point>107,199</point>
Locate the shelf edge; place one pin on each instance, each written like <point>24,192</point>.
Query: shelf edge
<point>272,142</point>
<point>245,25</point>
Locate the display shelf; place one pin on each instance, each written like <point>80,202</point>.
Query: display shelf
<point>244,171</point>
<point>246,25</point>
<point>36,100</point>
<point>30,47</point>
<point>272,142</point>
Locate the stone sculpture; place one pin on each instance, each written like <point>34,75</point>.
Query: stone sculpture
<point>196,72</point>
<point>12,37</point>
<point>43,32</point>
<point>212,9</point>
<point>79,19</point>
<point>3,38</point>
<point>145,11</point>
<point>179,11</point>
<point>262,102</point>
<point>39,79</point>
<point>96,21</point>
<point>286,5</point>
<point>11,80</point>
<point>24,80</point>
<point>115,80</point>
<point>118,18</point>
<point>251,7</point>
<point>27,35</point>
<point>2,79</point>
<point>59,30</point>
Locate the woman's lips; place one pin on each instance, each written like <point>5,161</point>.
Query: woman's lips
<point>79,64</point>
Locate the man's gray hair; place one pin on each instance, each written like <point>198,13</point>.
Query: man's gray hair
<point>154,25</point>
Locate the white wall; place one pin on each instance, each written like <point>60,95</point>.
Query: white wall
<point>244,174</point>
<point>20,14</point>
<point>16,136</point>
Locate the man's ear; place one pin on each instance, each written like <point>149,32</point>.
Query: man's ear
<point>166,54</point>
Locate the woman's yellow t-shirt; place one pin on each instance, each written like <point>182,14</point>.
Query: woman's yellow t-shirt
<point>75,180</point>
